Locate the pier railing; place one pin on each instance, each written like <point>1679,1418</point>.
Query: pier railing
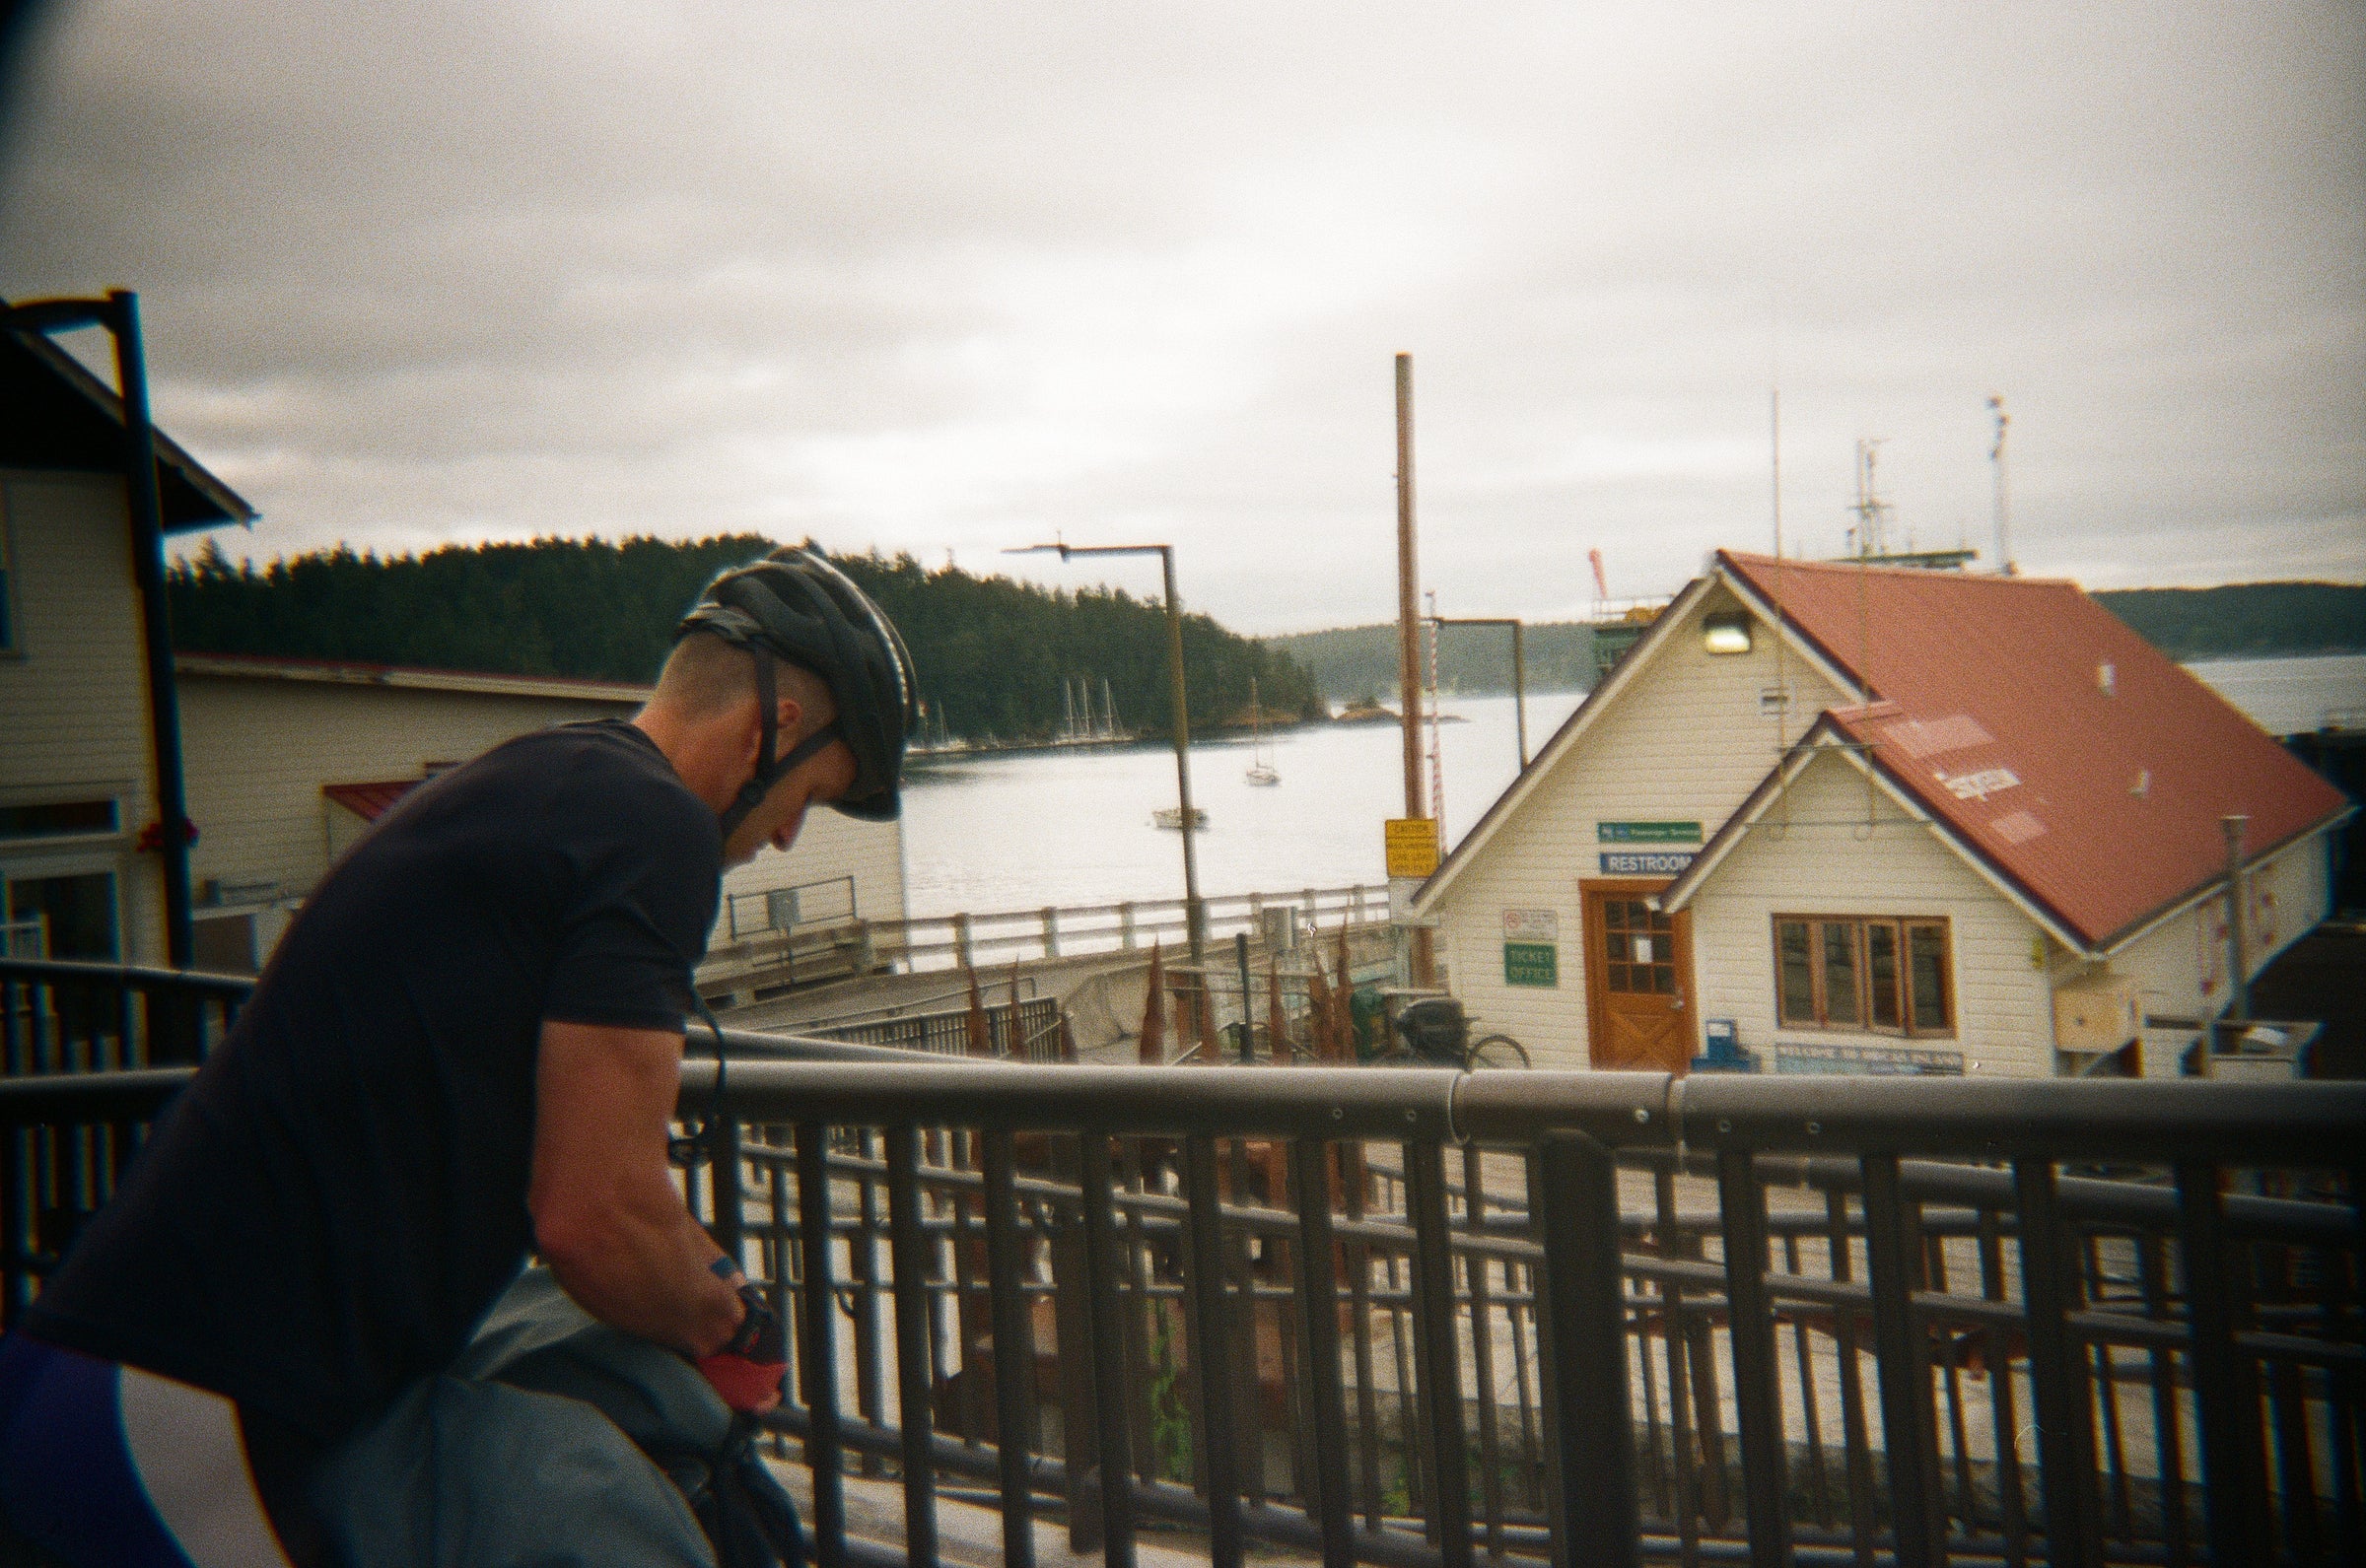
<point>1414,1317</point>
<point>748,968</point>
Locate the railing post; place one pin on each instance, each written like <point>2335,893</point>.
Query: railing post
<point>1212,1351</point>
<point>1013,1350</point>
<point>867,951</point>
<point>1902,1357</point>
<point>1581,1356</point>
<point>1114,1450</point>
<point>1079,1331</point>
<point>2058,1372</point>
<point>824,1455</point>
<point>907,1251</point>
<point>1318,1318</point>
<point>728,1202</point>
<point>2234,1469</point>
<point>1051,931</point>
<point>961,953</point>
<point>1436,1363</point>
<point>1750,1330</point>
<point>1125,926</point>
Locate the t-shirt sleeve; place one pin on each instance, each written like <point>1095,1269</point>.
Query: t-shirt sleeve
<point>637,925</point>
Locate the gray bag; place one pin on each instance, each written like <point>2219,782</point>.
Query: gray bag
<point>555,1440</point>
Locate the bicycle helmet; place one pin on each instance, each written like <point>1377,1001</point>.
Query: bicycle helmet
<point>797,606</point>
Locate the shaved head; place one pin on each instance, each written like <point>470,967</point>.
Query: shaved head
<point>705,677</point>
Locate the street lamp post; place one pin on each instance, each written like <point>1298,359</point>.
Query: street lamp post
<point>119,313</point>
<point>1519,668</point>
<point>1195,913</point>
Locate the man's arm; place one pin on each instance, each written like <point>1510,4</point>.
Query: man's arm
<point>607,1217</point>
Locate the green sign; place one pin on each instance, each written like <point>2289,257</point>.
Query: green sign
<point>1648,833</point>
<point>1531,964</point>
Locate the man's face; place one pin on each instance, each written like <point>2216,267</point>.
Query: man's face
<point>820,779</point>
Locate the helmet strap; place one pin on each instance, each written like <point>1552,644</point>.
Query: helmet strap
<point>768,768</point>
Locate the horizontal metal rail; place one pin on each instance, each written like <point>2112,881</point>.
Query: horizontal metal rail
<point>1410,1317</point>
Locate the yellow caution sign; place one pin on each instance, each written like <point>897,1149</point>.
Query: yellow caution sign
<point>1412,844</point>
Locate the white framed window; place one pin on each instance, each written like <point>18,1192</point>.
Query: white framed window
<point>63,909</point>
<point>1864,974</point>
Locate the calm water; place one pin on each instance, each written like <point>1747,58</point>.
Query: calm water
<point>1022,829</point>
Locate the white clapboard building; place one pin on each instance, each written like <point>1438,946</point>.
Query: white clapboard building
<point>290,760</point>
<point>80,875</point>
<point>1870,819</point>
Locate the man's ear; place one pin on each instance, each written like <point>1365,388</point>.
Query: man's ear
<point>788,713</point>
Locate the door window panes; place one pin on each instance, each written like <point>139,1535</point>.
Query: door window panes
<point>1639,948</point>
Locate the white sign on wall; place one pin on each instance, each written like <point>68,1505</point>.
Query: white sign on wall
<point>1531,926</point>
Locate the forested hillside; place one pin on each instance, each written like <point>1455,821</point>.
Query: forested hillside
<point>2246,618</point>
<point>1352,661</point>
<point>992,653</point>
<point>2242,618</point>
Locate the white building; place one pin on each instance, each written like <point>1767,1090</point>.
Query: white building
<point>289,761</point>
<point>1935,823</point>
<point>77,756</point>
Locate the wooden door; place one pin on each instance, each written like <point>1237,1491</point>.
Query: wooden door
<point>1638,980</point>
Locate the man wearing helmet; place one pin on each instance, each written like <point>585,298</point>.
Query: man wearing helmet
<point>467,1046</point>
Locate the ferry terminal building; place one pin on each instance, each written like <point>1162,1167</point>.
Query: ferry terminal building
<point>1879,819</point>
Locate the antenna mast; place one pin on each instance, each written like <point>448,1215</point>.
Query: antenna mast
<point>1872,512</point>
<point>2004,559</point>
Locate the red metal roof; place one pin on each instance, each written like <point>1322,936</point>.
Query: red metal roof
<point>2076,759</point>
<point>371,801</point>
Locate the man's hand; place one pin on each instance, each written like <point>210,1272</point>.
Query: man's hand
<point>747,1370</point>
<point>607,1217</point>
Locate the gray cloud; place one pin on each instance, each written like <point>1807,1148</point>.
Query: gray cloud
<point>945,277</point>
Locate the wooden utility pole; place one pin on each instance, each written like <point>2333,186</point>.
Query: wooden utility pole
<point>1409,660</point>
<point>1409,619</point>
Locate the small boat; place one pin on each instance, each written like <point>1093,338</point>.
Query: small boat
<point>1261,765</point>
<point>1172,817</point>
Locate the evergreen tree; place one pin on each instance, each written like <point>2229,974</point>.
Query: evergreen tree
<point>992,652</point>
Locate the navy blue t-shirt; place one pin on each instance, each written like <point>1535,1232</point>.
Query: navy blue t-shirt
<point>338,1197</point>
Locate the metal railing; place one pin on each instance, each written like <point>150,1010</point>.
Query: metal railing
<point>957,941</point>
<point>1413,1317</point>
<point>828,900</point>
<point>68,1015</point>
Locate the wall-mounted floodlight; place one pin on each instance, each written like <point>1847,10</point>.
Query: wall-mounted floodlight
<point>1728,633</point>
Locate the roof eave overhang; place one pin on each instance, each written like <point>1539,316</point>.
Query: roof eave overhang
<point>233,509</point>
<point>2144,926</point>
<point>1769,609</point>
<point>1565,739</point>
<point>330,672</point>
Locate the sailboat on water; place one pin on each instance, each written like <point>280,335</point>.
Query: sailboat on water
<point>1260,763</point>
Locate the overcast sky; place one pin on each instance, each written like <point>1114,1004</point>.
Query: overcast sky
<point>951,277</point>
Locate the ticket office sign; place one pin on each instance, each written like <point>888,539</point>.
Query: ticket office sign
<point>1531,964</point>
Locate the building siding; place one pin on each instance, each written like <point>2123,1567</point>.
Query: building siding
<point>2179,966</point>
<point>73,689</point>
<point>259,749</point>
<point>1860,854</point>
<point>1686,740</point>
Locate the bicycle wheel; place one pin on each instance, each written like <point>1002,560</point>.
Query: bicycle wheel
<point>1498,1050</point>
